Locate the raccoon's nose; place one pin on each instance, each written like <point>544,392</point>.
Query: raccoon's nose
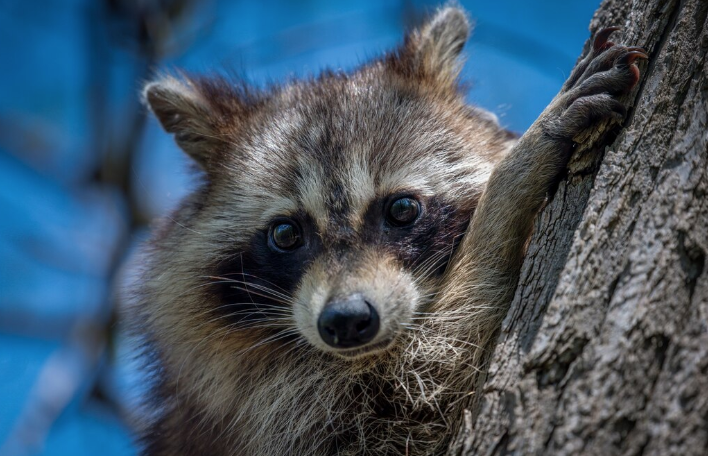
<point>348,322</point>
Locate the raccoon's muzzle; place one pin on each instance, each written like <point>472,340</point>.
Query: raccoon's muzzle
<point>348,322</point>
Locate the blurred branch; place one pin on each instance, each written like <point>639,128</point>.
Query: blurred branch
<point>149,30</point>
<point>58,383</point>
<point>145,30</point>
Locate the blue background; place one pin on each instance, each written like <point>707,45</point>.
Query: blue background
<point>82,170</point>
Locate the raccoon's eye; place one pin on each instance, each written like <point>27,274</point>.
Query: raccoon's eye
<point>285,235</point>
<point>403,211</point>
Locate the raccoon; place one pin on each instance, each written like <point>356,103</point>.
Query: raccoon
<point>357,238</point>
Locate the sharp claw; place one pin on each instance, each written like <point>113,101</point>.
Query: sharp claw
<point>636,48</point>
<point>631,56</point>
<point>601,43</point>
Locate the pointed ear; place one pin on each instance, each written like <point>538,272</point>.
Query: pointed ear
<point>183,108</point>
<point>434,49</point>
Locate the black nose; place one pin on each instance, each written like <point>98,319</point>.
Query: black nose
<point>348,322</point>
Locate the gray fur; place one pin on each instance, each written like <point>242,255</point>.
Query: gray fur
<point>440,41</point>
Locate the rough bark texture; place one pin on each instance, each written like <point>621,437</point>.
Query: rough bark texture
<point>605,347</point>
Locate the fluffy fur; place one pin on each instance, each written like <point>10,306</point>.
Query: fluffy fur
<point>231,325</point>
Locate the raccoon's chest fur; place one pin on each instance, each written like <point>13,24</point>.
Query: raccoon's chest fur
<point>392,405</point>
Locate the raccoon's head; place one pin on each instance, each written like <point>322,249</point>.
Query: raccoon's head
<point>332,206</point>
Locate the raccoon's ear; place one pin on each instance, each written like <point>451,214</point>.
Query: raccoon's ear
<point>182,109</point>
<point>434,49</point>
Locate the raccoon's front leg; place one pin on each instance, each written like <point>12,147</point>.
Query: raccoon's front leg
<point>482,278</point>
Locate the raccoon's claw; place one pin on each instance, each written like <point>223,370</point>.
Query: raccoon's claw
<point>628,58</point>
<point>592,92</point>
<point>601,43</point>
<point>615,72</point>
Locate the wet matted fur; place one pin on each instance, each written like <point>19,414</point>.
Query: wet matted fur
<point>230,322</point>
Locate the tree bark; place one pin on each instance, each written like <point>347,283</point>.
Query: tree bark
<point>605,347</point>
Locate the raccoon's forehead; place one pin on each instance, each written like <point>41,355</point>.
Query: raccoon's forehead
<point>327,153</point>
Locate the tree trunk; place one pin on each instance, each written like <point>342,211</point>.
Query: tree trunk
<point>605,347</point>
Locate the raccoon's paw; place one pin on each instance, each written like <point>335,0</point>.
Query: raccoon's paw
<point>593,91</point>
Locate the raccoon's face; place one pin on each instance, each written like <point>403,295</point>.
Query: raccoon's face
<point>332,206</point>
